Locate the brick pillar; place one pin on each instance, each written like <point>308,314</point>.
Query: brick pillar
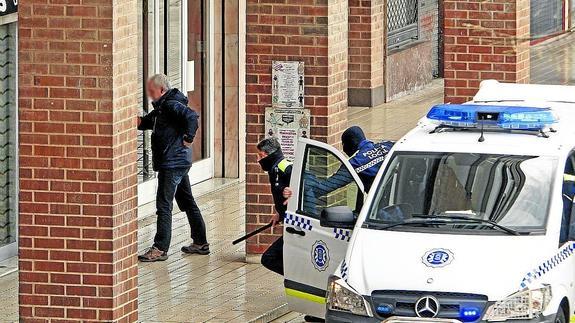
<point>78,186</point>
<point>366,53</point>
<point>484,40</point>
<point>313,31</point>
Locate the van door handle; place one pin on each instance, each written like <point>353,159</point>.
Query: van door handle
<point>293,230</point>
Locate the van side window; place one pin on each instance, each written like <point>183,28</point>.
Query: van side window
<point>568,193</point>
<point>326,182</point>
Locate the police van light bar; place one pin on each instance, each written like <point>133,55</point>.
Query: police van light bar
<point>492,116</point>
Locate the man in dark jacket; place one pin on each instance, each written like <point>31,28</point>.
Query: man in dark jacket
<point>173,126</point>
<point>272,161</point>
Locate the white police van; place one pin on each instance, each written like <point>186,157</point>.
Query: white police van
<point>469,219</point>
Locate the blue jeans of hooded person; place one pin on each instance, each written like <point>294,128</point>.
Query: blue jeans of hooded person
<point>174,182</point>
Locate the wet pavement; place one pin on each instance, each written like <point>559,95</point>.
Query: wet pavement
<point>223,287</point>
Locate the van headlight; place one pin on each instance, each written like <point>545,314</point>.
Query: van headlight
<point>341,297</point>
<point>526,304</point>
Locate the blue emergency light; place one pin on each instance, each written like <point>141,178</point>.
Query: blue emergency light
<point>469,314</point>
<point>492,116</point>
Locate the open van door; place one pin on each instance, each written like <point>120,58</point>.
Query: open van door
<point>321,178</point>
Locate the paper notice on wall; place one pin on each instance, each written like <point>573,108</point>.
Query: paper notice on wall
<point>287,125</point>
<point>287,84</point>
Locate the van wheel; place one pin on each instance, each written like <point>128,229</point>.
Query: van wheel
<point>560,316</point>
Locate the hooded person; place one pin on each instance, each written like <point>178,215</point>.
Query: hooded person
<point>365,156</point>
<point>272,161</point>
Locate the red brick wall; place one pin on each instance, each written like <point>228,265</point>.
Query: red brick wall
<point>313,31</point>
<point>366,43</point>
<point>484,40</point>
<point>77,150</point>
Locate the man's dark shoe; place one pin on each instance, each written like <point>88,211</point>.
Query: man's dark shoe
<point>153,254</point>
<point>197,249</point>
<point>309,318</point>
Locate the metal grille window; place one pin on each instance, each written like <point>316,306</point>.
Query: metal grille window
<point>402,22</point>
<point>546,17</point>
<point>8,134</point>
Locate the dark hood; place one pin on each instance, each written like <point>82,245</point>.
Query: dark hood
<point>270,160</point>
<point>351,138</point>
<point>172,95</point>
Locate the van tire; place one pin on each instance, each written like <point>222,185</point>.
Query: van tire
<point>560,316</point>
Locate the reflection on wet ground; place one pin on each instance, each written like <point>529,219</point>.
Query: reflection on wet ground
<point>220,287</point>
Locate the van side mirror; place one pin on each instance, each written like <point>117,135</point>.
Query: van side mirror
<point>337,217</point>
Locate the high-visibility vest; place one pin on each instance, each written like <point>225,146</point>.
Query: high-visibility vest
<point>284,164</point>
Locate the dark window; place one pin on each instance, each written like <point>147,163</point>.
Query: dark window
<point>402,22</point>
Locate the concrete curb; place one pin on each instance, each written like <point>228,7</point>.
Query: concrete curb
<point>271,315</point>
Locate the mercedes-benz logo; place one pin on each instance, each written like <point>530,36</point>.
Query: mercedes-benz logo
<point>427,307</point>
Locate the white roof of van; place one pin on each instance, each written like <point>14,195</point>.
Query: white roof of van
<point>494,91</point>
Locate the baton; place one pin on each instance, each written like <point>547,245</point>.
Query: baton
<point>253,233</point>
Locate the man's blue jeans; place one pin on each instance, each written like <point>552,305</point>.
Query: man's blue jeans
<point>172,183</point>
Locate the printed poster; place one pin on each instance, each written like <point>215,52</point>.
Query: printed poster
<point>287,84</point>
<point>287,125</point>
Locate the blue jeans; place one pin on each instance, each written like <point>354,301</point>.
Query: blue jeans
<point>176,183</point>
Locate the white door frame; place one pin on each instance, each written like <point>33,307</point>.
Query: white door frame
<point>204,169</point>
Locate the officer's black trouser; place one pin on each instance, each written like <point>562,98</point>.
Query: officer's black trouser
<point>273,258</point>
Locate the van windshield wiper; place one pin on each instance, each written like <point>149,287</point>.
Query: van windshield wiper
<point>385,226</point>
<point>474,220</point>
<point>426,220</point>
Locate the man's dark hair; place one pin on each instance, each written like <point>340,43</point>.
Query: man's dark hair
<point>269,145</point>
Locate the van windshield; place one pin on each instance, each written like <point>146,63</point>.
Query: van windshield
<point>480,193</point>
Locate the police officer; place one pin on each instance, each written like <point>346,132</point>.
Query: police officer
<point>272,160</point>
<point>365,157</point>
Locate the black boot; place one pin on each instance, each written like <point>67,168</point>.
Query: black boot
<point>309,318</point>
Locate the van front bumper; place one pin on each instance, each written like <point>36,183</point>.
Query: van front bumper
<point>342,317</point>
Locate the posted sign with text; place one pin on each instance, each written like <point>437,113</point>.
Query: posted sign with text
<point>287,84</point>
<point>287,125</point>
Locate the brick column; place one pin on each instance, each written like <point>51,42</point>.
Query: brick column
<point>484,40</point>
<point>366,53</point>
<point>77,150</point>
<point>313,31</point>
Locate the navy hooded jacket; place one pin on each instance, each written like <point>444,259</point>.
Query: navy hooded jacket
<point>171,121</point>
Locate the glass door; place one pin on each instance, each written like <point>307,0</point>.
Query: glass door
<point>197,69</point>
